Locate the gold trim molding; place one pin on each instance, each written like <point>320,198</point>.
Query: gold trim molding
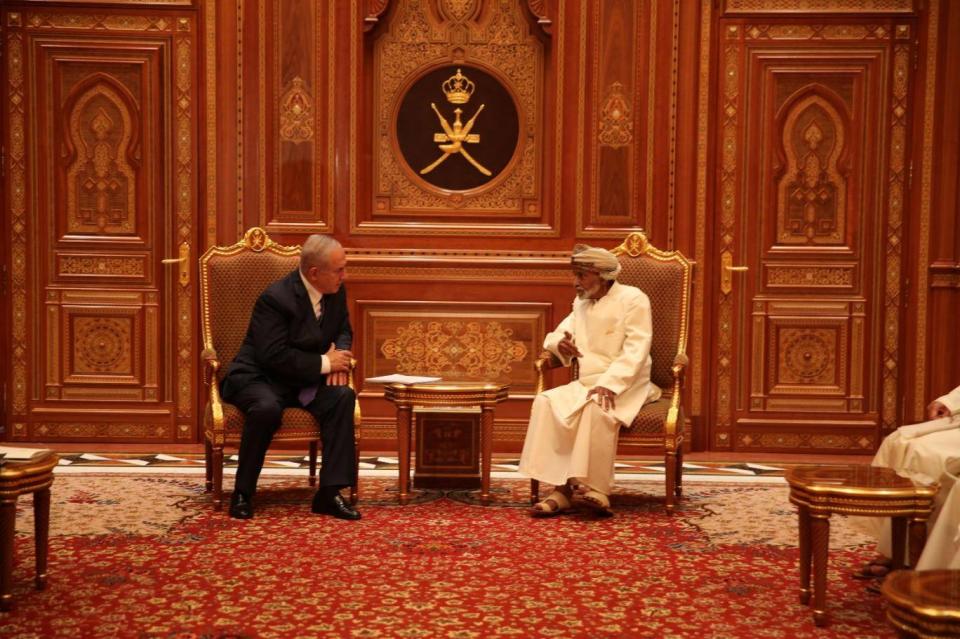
<point>793,7</point>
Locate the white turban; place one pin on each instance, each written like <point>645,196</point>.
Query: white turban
<point>596,259</point>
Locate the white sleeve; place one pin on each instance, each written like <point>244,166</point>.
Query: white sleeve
<point>553,338</point>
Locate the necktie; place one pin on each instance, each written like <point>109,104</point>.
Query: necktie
<point>307,394</point>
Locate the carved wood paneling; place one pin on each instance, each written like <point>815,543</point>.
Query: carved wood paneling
<point>112,152</point>
<point>295,89</point>
<point>825,303</point>
<point>496,39</point>
<point>456,341</point>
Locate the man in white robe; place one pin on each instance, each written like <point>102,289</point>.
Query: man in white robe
<point>571,441</point>
<point>925,453</point>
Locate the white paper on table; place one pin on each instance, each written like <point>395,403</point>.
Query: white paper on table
<point>18,454</point>
<point>397,378</point>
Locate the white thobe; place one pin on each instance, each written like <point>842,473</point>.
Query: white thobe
<point>927,453</point>
<point>569,435</point>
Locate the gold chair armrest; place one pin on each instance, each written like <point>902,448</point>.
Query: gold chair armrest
<point>357,416</point>
<point>545,362</point>
<point>210,365</point>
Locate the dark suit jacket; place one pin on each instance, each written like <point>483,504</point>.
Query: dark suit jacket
<point>284,342</point>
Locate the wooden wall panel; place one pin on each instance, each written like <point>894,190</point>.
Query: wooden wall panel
<point>455,340</point>
<point>102,129</point>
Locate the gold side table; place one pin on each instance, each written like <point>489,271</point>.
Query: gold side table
<point>820,491</point>
<point>445,395</point>
<point>34,475</point>
<point>924,603</point>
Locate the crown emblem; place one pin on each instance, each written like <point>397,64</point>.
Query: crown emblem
<point>458,88</point>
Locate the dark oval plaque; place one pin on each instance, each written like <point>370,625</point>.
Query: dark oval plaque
<point>457,151</point>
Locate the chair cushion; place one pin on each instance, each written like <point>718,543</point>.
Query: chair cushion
<point>650,420</point>
<point>663,284</point>
<point>297,424</point>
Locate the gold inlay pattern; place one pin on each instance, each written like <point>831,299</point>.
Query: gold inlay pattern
<point>296,113</point>
<point>926,197</point>
<point>474,349</point>
<point>811,196</point>
<point>101,183</point>
<point>896,180</point>
<point>819,6</point>
<point>18,215</point>
<point>616,119</point>
<point>183,181</point>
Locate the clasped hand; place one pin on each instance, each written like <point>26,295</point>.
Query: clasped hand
<point>339,366</point>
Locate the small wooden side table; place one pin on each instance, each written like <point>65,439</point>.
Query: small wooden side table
<point>34,475</point>
<point>482,395</point>
<point>820,491</point>
<point>924,603</point>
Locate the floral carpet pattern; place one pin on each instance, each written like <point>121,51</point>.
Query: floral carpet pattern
<point>146,556</point>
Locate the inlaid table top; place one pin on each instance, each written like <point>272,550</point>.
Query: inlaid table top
<point>858,489</point>
<point>854,479</point>
<point>925,602</point>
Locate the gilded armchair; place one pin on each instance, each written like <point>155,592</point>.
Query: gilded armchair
<point>665,278</point>
<point>231,279</point>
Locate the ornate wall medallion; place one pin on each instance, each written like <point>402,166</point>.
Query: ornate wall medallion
<point>457,128</point>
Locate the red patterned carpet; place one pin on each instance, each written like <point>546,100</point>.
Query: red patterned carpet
<point>144,556</point>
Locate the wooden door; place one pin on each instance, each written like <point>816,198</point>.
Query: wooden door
<point>101,181</point>
<point>811,185</point>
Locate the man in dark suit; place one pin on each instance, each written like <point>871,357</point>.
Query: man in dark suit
<point>297,353</point>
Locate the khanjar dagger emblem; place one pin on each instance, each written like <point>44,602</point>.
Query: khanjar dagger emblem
<point>458,89</point>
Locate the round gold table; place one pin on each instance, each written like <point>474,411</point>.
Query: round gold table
<point>34,475</point>
<point>820,491</point>
<point>406,397</point>
<point>925,603</point>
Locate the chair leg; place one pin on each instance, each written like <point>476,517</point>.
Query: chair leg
<point>534,491</point>
<point>670,466</point>
<point>313,463</point>
<point>217,468</point>
<point>678,490</point>
<point>208,464</point>
<point>355,488</point>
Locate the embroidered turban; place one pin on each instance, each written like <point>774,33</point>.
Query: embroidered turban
<point>596,259</point>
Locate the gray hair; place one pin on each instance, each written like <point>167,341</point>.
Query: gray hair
<point>316,251</point>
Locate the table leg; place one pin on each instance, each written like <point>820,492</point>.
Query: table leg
<point>898,540</point>
<point>486,448</point>
<point>403,441</point>
<point>41,531</point>
<point>804,513</point>
<point>820,542</point>
<point>8,515</point>
<point>918,539</point>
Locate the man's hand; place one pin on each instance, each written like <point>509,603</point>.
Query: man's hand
<point>339,366</point>
<point>936,409</point>
<point>605,397</point>
<point>567,348</point>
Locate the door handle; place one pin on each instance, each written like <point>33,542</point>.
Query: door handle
<point>727,270</point>
<point>183,261</point>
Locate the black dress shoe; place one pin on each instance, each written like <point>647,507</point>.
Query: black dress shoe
<point>241,507</point>
<point>336,506</point>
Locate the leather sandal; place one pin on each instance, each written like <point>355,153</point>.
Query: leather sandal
<point>554,504</point>
<point>596,501</point>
